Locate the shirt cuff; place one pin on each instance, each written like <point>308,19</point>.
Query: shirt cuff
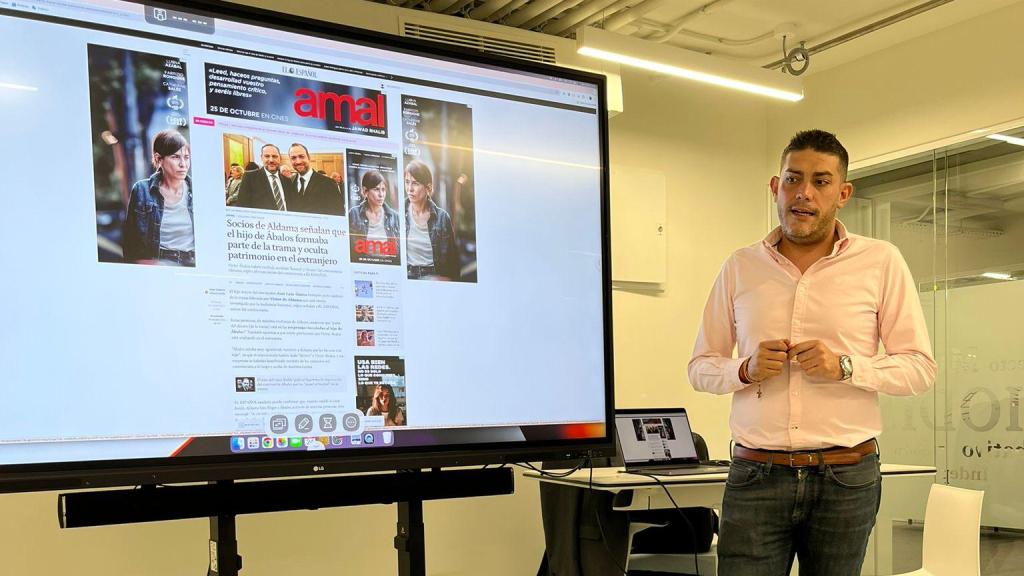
<point>861,368</point>
<point>732,373</point>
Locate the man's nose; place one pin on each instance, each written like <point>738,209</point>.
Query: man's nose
<point>805,190</point>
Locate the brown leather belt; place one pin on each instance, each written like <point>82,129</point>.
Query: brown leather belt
<point>804,458</point>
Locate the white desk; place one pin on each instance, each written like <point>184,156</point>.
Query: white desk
<point>707,490</point>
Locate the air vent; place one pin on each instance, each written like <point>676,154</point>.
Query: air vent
<point>952,231</point>
<point>491,44</point>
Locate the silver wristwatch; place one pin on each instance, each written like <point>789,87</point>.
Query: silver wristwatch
<point>846,365</point>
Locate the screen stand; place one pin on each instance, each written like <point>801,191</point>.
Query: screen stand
<point>224,557</point>
<point>410,539</point>
<point>224,500</point>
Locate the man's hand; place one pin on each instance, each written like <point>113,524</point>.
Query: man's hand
<point>768,361</point>
<point>816,359</point>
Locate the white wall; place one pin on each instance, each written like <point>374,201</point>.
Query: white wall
<point>709,145</point>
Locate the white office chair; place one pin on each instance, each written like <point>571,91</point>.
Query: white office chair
<point>952,533</point>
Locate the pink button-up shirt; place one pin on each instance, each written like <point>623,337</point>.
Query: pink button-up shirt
<point>857,296</point>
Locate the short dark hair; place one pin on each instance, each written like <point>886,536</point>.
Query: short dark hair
<point>819,141</point>
<point>372,179</point>
<point>303,146</point>
<point>269,145</point>
<point>167,142</point>
<point>420,172</point>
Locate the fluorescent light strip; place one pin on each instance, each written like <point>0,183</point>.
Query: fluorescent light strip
<point>1009,139</point>
<point>998,275</point>
<point>22,87</point>
<point>692,74</point>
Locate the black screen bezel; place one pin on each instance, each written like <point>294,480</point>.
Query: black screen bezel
<point>105,473</point>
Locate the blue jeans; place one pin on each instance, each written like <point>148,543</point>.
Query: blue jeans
<point>823,515</point>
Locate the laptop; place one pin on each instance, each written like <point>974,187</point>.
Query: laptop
<point>659,441</point>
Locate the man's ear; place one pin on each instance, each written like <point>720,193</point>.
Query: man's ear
<point>845,193</point>
<point>774,185</point>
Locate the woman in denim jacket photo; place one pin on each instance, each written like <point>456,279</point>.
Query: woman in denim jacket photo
<point>372,219</point>
<point>159,226</point>
<point>429,236</point>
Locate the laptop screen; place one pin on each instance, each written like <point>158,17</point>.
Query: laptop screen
<point>655,436</point>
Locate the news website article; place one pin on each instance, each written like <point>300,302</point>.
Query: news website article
<point>254,234</point>
<point>656,439</point>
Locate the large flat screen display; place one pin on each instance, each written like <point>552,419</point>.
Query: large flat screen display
<point>236,244</point>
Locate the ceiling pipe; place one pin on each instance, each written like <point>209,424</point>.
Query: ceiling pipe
<point>549,14</point>
<point>678,25</point>
<point>440,6</point>
<point>506,10</point>
<point>456,6</point>
<point>864,30</point>
<point>585,14</point>
<point>528,12</point>
<point>660,28</point>
<point>626,16</point>
<point>488,8</point>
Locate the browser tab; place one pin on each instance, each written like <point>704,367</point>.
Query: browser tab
<point>178,19</point>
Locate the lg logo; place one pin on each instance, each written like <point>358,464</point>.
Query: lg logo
<point>319,468</point>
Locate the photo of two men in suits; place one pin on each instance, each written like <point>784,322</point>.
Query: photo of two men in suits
<point>306,191</point>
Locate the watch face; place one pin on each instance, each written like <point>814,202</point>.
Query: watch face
<point>846,364</point>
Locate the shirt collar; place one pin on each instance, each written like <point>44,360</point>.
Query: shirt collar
<point>771,241</point>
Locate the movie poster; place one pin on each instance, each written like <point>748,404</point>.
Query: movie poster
<point>295,101</point>
<point>361,162</point>
<point>374,213</point>
<point>440,233</point>
<point>380,390</point>
<point>138,100</point>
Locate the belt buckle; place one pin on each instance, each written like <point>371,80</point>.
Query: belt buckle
<point>795,459</point>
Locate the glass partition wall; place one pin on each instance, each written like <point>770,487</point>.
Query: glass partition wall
<point>957,215</point>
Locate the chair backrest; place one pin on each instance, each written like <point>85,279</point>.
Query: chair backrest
<point>701,446</point>
<point>952,531</point>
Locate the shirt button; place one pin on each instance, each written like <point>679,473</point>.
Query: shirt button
<point>796,427</point>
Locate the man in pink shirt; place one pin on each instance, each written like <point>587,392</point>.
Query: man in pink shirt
<point>806,309</point>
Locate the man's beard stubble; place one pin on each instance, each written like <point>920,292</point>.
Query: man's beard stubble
<point>814,235</point>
